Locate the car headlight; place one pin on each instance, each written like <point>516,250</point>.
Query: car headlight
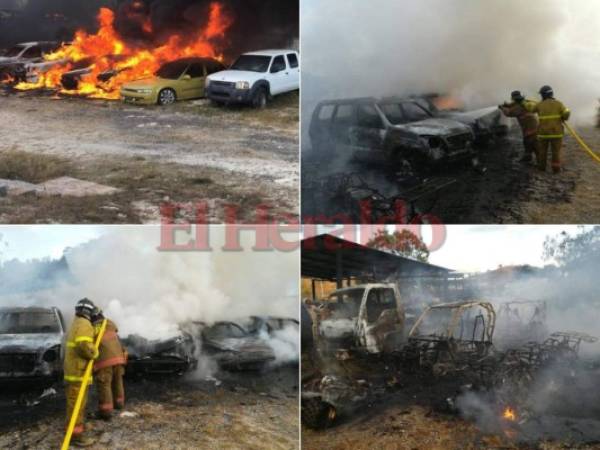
<point>242,85</point>
<point>50,355</point>
<point>433,141</point>
<point>144,91</point>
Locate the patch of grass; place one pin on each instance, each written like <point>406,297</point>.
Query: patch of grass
<point>30,167</point>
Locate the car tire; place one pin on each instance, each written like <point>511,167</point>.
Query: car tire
<point>216,103</point>
<point>167,97</point>
<point>260,98</point>
<point>317,414</point>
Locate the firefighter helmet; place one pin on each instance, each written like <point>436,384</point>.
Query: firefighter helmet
<point>85,307</point>
<point>97,315</point>
<point>517,96</point>
<point>546,91</point>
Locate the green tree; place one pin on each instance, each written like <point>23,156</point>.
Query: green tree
<point>573,249</point>
<point>402,243</point>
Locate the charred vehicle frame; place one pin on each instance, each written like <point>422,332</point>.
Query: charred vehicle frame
<point>31,345</point>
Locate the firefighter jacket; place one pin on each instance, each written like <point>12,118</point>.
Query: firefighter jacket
<point>111,351</point>
<point>79,350</point>
<point>551,114</point>
<point>527,120</point>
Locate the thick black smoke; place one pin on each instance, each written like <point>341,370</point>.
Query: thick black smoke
<point>257,24</point>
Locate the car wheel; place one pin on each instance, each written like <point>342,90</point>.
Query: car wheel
<point>167,97</point>
<point>259,100</point>
<point>317,414</point>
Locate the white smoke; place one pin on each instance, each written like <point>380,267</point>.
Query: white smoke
<point>478,50</point>
<point>285,344</point>
<point>150,293</point>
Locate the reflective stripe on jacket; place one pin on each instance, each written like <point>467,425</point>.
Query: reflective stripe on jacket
<point>111,350</point>
<point>527,120</point>
<point>552,114</point>
<point>79,349</point>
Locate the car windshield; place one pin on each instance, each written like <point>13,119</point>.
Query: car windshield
<point>172,70</point>
<point>399,113</point>
<point>252,63</point>
<point>27,322</point>
<point>15,51</point>
<point>225,331</point>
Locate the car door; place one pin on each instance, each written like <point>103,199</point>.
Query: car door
<point>367,136</point>
<point>294,70</point>
<point>343,120</point>
<point>278,75</point>
<point>321,128</point>
<point>194,87</point>
<point>380,326</point>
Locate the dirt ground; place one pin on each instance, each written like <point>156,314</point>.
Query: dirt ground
<point>247,411</point>
<point>188,153</point>
<point>398,427</point>
<point>507,192</point>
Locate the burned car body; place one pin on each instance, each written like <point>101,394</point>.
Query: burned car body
<point>486,123</point>
<point>367,318</point>
<point>520,322</point>
<point>31,341</point>
<point>235,348</point>
<point>388,130</point>
<point>356,333</point>
<point>451,337</point>
<point>173,356</point>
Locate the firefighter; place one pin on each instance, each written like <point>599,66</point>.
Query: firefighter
<point>527,120</point>
<point>109,369</point>
<point>552,114</point>
<point>79,351</point>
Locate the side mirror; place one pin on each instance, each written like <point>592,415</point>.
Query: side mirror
<point>187,77</point>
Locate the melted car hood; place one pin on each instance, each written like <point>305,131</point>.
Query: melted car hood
<point>29,342</point>
<point>247,344</point>
<point>436,127</point>
<point>233,76</point>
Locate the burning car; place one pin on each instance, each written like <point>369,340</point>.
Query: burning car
<point>486,123</point>
<point>177,80</point>
<point>31,342</point>
<point>25,61</point>
<point>388,130</point>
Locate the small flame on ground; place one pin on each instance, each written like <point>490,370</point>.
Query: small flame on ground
<point>509,414</point>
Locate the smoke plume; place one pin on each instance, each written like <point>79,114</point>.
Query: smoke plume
<point>256,24</point>
<point>150,293</point>
<point>477,50</point>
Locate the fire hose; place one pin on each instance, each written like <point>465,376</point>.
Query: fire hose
<point>582,143</point>
<point>83,389</point>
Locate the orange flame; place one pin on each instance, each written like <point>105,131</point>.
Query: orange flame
<point>110,53</point>
<point>509,414</point>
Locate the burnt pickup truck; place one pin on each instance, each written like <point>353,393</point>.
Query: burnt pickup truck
<point>31,342</point>
<point>388,131</point>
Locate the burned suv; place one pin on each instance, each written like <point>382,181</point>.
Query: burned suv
<point>388,130</point>
<point>31,344</point>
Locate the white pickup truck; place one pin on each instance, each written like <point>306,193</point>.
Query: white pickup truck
<point>255,77</point>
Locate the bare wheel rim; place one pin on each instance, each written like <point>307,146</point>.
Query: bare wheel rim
<point>167,97</point>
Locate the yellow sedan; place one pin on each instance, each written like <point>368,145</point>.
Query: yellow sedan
<point>182,79</point>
